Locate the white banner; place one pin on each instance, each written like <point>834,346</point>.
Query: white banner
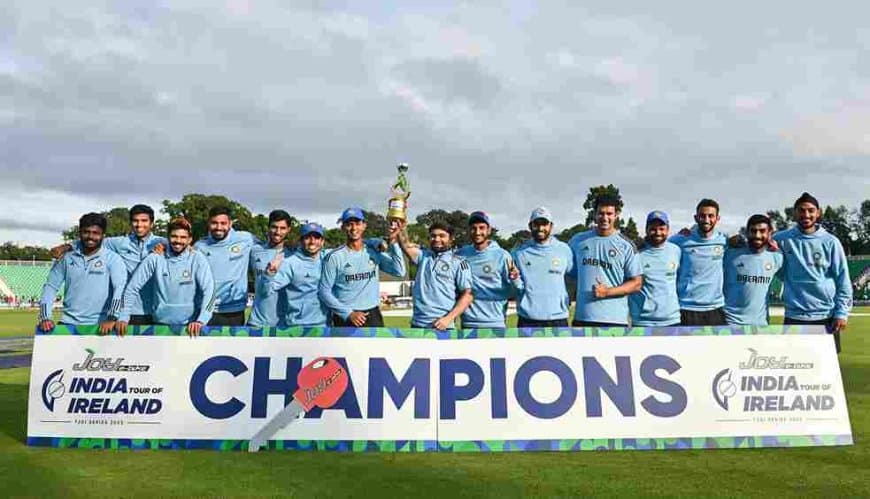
<point>444,392</point>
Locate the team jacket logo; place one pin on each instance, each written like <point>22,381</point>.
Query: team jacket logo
<point>185,274</point>
<point>98,264</point>
<point>611,253</point>
<point>235,249</point>
<point>768,266</point>
<point>487,269</point>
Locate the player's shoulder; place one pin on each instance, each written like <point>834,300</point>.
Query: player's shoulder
<point>334,254</point>
<point>459,261</point>
<point>111,257</point>
<point>581,236</point>
<point>784,234</point>
<point>245,237</point>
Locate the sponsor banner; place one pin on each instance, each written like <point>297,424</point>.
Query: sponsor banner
<point>414,390</point>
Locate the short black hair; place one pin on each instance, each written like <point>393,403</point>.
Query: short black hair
<point>220,210</point>
<point>759,219</point>
<point>140,209</point>
<point>705,203</point>
<point>90,219</point>
<point>807,198</point>
<point>278,215</point>
<point>441,226</point>
<point>607,200</point>
<point>179,223</point>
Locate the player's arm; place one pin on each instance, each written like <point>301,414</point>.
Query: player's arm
<point>118,279</point>
<point>52,286</point>
<point>843,294</point>
<point>516,276</point>
<point>280,280</point>
<point>463,280</point>
<point>134,286</point>
<point>206,289</point>
<point>391,261</point>
<point>412,251</point>
<point>324,289</point>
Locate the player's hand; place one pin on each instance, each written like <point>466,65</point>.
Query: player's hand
<point>59,250</point>
<point>159,248</point>
<point>106,327</point>
<point>397,227</point>
<point>273,266</point>
<point>121,328</point>
<point>513,272</point>
<point>839,326</point>
<point>193,329</point>
<point>736,241</point>
<point>685,232</point>
<point>599,289</point>
<point>46,326</point>
<point>772,245</point>
<point>441,324</point>
<point>358,319</point>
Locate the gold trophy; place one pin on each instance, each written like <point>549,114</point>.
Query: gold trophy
<point>397,207</point>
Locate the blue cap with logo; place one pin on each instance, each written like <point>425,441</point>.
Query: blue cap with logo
<point>312,228</point>
<point>352,214</point>
<point>659,216</point>
<point>478,216</point>
<point>541,213</point>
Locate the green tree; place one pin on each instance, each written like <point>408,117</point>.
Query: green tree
<point>836,221</point>
<point>10,251</point>
<point>630,231</point>
<point>516,239</point>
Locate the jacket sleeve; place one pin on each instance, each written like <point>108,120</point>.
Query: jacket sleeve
<point>140,277</point>
<point>325,293</point>
<point>392,261</point>
<point>206,288</point>
<point>51,288</point>
<point>118,278</point>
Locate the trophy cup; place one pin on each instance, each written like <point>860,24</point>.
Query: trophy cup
<point>397,206</point>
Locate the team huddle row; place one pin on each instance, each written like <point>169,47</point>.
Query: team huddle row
<point>696,277</point>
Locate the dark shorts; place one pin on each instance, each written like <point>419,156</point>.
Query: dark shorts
<point>576,323</point>
<point>140,320</point>
<point>233,319</point>
<point>524,322</point>
<point>375,319</point>
<point>715,317</point>
<point>828,323</point>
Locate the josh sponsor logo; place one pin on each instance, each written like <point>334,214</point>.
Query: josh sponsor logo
<point>94,363</point>
<point>756,361</point>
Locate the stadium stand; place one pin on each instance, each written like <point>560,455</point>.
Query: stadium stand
<point>24,279</point>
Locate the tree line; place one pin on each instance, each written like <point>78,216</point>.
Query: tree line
<point>850,226</point>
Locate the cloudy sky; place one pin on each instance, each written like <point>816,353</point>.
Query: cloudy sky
<point>496,106</point>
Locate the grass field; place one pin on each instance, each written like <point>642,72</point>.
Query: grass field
<point>810,472</point>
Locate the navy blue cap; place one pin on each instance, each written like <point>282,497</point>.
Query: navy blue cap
<point>657,216</point>
<point>350,214</point>
<point>312,228</point>
<point>478,216</point>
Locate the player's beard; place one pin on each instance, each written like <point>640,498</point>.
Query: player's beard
<point>757,243</point>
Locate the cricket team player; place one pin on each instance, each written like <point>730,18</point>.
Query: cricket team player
<point>542,265</point>
<point>349,285</point>
<point>92,278</point>
<point>607,270</point>
<point>490,270</point>
<point>443,285</point>
<point>700,277</point>
<point>228,253</point>
<point>748,273</point>
<point>816,285</point>
<point>182,285</point>
<point>297,281</point>
<point>657,303</point>
<point>266,259</point>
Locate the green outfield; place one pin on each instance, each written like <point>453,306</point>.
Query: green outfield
<point>814,472</point>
